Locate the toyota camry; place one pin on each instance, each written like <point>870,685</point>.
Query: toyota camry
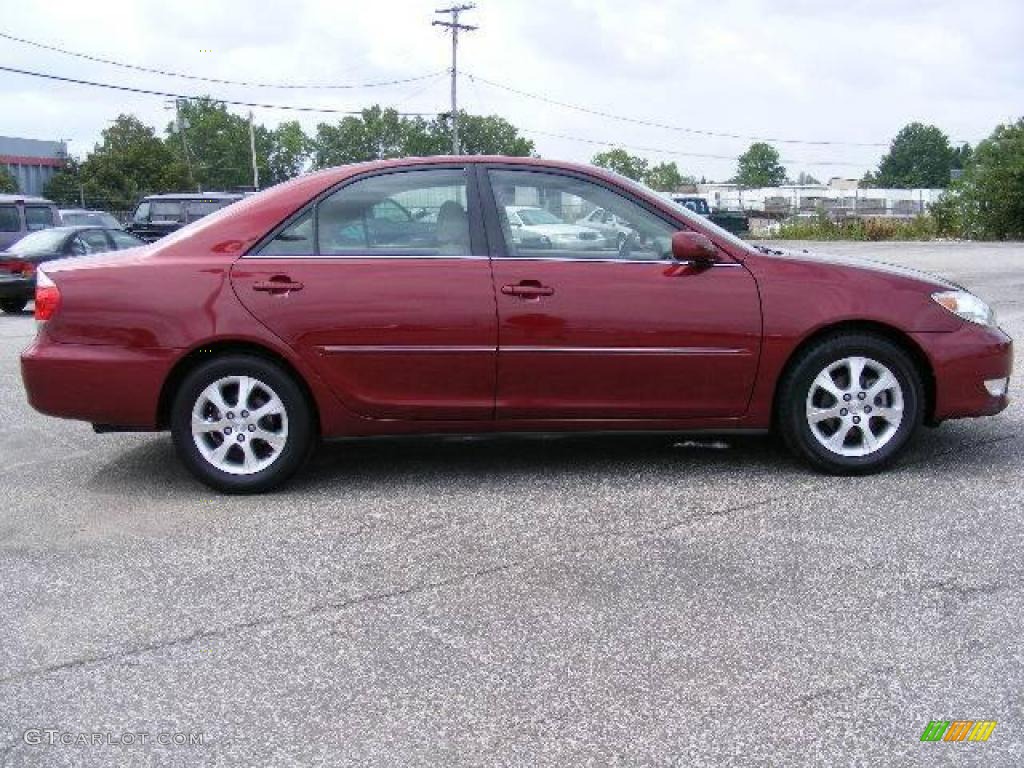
<point>325,307</point>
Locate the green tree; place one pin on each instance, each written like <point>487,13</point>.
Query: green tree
<point>382,133</point>
<point>665,177</point>
<point>374,135</point>
<point>289,151</point>
<point>65,186</point>
<point>760,166</point>
<point>8,184</point>
<point>919,156</point>
<point>218,145</point>
<point>620,161</point>
<point>130,161</point>
<point>988,201</point>
<point>806,178</point>
<point>478,135</point>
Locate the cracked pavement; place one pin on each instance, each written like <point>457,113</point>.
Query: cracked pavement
<point>633,600</point>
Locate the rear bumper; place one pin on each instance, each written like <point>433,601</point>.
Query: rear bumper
<point>18,289</point>
<point>96,383</point>
<point>963,361</point>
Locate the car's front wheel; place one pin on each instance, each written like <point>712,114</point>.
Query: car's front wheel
<point>13,306</point>
<point>850,403</point>
<point>241,424</point>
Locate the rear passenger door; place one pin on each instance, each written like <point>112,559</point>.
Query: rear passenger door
<point>384,286</point>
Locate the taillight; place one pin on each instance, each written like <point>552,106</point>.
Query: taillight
<point>17,267</point>
<point>47,297</point>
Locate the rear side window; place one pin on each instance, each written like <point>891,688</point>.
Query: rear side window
<point>196,209</point>
<point>294,240</point>
<point>166,211</point>
<point>38,217</point>
<point>9,219</point>
<point>412,213</point>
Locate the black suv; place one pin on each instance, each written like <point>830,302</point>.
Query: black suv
<point>159,215</point>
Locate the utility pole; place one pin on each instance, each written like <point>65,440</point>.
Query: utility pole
<point>252,149</point>
<point>181,123</point>
<point>455,28</point>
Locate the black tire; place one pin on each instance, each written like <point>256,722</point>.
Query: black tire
<point>795,389</point>
<point>13,306</point>
<point>300,433</point>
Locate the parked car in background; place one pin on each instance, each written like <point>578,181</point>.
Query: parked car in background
<point>75,217</point>
<point>735,222</point>
<point>20,215</point>
<point>533,225</point>
<point>614,229</point>
<point>695,203</point>
<point>288,317</point>
<point>18,264</point>
<point>159,215</point>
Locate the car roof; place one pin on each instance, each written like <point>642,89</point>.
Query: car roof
<point>83,210</point>
<point>195,196</point>
<point>24,199</point>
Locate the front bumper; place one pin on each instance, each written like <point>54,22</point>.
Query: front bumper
<point>962,362</point>
<point>96,383</point>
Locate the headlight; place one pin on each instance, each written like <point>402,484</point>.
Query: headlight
<point>967,306</point>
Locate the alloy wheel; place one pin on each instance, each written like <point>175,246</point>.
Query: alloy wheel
<point>239,425</point>
<point>854,406</point>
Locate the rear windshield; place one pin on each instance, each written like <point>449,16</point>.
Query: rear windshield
<point>89,218</point>
<point>9,219</point>
<point>44,241</point>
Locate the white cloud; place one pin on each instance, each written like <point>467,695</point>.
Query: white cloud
<point>852,71</point>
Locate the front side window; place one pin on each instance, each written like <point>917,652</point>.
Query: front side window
<point>411,213</point>
<point>548,215</point>
<point>142,213</point>
<point>10,221</point>
<point>38,217</point>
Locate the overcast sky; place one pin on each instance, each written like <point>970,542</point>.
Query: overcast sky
<point>807,70</point>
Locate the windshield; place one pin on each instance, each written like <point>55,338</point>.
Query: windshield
<point>534,216</point>
<point>43,241</point>
<point>685,213</point>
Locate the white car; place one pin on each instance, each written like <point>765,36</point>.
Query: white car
<point>534,227</point>
<point>612,228</point>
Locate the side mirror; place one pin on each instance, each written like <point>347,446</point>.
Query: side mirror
<point>693,247</point>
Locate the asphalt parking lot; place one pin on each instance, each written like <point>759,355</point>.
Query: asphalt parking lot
<point>557,601</point>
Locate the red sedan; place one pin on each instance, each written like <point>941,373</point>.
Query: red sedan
<point>398,297</point>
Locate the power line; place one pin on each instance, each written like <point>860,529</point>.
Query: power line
<point>679,153</point>
<point>169,95</point>
<point>666,126</point>
<point>219,81</point>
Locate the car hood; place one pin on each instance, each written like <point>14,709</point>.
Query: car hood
<point>867,265</point>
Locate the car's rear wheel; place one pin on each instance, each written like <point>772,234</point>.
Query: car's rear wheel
<point>13,306</point>
<point>241,424</point>
<point>850,403</point>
